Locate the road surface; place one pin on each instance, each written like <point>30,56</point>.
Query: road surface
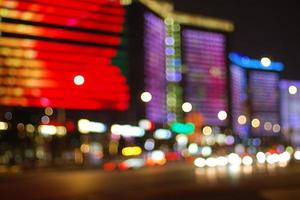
<point>176,181</point>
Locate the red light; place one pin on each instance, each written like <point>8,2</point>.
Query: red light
<point>61,11</point>
<point>123,166</point>
<point>110,166</point>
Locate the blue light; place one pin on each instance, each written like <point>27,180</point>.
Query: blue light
<point>246,62</point>
<point>169,41</point>
<point>170,51</point>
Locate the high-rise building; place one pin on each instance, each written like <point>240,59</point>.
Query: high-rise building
<point>255,96</point>
<point>185,62</point>
<point>290,110</point>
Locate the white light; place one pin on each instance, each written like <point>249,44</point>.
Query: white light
<point>268,126</point>
<point>158,155</point>
<point>134,162</point>
<point>242,119</point>
<point>3,126</point>
<point>222,161</point>
<point>211,162</point>
<point>247,160</point>
<point>276,128</point>
<point>266,62</point>
<point>284,157</point>
<point>272,158</point>
<point>193,148</point>
<point>199,162</point>
<point>162,134</point>
<point>234,159</point>
<point>86,126</point>
<point>261,157</point>
<point>78,80</point>
<point>222,115</point>
<point>146,97</point>
<point>187,107</point>
<point>149,144</point>
<point>127,130</point>
<point>206,151</point>
<point>293,89</point>
<point>181,140</point>
<point>47,129</point>
<point>145,124</point>
<point>45,119</point>
<point>297,155</point>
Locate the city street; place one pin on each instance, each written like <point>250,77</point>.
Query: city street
<point>174,181</point>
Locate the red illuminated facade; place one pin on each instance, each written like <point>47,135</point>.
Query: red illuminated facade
<point>46,44</point>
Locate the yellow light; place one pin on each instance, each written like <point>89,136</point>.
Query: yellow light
<point>293,90</point>
<point>242,119</point>
<point>83,126</point>
<point>79,80</point>
<point>207,130</point>
<point>146,97</point>
<point>85,148</point>
<point>3,126</point>
<point>61,130</point>
<point>48,111</point>
<point>131,151</point>
<point>255,123</point>
<point>29,128</point>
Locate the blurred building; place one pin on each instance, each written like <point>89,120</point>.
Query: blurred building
<point>185,65</point>
<point>255,97</point>
<point>290,110</point>
<point>60,61</point>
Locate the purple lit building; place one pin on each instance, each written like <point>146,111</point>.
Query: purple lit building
<point>154,67</point>
<point>255,97</point>
<point>206,73</point>
<point>290,110</point>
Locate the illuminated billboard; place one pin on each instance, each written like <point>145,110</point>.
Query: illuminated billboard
<point>206,74</point>
<point>65,54</point>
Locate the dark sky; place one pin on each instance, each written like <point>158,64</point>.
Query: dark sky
<point>263,27</point>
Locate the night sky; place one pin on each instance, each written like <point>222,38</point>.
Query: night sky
<point>262,27</point>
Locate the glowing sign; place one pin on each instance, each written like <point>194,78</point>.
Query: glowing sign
<point>248,63</point>
<point>63,54</point>
<point>182,128</point>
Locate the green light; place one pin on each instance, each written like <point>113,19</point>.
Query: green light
<point>182,128</point>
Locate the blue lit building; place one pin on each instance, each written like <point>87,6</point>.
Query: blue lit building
<point>290,110</point>
<point>255,97</point>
